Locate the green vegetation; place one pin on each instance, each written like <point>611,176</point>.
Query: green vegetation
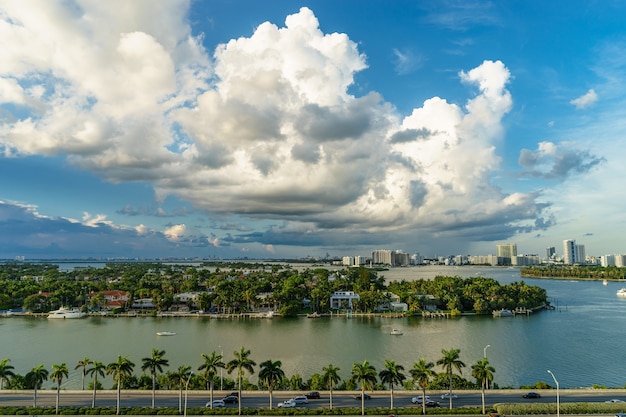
<point>591,272</point>
<point>234,289</point>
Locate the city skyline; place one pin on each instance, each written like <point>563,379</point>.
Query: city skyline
<point>291,130</point>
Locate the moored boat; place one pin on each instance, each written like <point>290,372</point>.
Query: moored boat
<point>66,313</point>
<point>502,313</point>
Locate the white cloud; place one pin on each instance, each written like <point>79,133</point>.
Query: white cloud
<point>586,100</point>
<point>266,129</point>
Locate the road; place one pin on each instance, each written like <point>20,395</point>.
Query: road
<point>256,399</point>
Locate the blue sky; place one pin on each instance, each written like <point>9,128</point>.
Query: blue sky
<point>282,129</point>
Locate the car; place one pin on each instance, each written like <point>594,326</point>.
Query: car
<point>290,403</point>
<point>432,404</point>
<point>447,396</point>
<point>313,395</point>
<point>230,399</point>
<point>300,399</point>
<point>216,404</point>
<point>614,400</point>
<point>233,394</point>
<point>531,395</point>
<point>418,400</point>
<point>620,415</point>
<point>494,414</point>
<point>365,396</point>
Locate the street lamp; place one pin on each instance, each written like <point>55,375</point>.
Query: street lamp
<point>558,406</point>
<point>221,372</point>
<point>485,351</point>
<point>186,390</point>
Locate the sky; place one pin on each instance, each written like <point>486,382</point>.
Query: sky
<point>285,129</point>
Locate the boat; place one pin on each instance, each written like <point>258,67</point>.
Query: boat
<point>502,313</point>
<point>166,334</point>
<point>313,315</point>
<point>621,292</point>
<point>66,313</point>
<point>605,282</point>
<point>396,332</point>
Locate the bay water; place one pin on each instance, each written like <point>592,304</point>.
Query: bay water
<point>582,341</point>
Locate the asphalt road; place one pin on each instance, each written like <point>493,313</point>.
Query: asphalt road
<point>255,399</point>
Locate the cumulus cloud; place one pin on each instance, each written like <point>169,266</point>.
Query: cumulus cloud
<point>557,161</point>
<point>262,128</point>
<point>586,100</point>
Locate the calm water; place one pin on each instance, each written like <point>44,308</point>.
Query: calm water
<point>582,341</point>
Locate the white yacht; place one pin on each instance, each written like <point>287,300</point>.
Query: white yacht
<point>621,292</point>
<point>166,334</point>
<point>66,313</point>
<point>396,332</point>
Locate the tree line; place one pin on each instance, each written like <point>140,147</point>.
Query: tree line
<point>234,288</point>
<point>271,377</point>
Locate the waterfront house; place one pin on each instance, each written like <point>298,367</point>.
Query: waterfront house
<point>342,300</point>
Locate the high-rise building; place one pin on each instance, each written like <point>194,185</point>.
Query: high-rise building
<point>550,252</point>
<point>573,253</point>
<point>506,251</point>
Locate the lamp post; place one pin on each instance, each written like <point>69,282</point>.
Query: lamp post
<point>558,406</point>
<point>221,372</point>
<point>485,357</point>
<point>186,390</point>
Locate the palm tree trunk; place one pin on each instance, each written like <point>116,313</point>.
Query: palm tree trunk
<point>391,386</point>
<point>153,389</point>
<point>58,397</point>
<point>239,402</point>
<point>93,399</point>
<point>483,395</point>
<point>35,396</point>
<point>363,400</point>
<point>450,389</point>
<point>119,385</point>
<point>271,397</point>
<point>331,396</point>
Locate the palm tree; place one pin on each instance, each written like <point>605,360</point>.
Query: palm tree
<point>450,361</point>
<point>98,368</point>
<point>6,371</point>
<point>483,372</point>
<point>119,369</point>
<point>211,364</point>
<point>180,377</point>
<point>331,377</point>
<point>365,374</point>
<point>270,373</point>
<point>83,363</point>
<point>392,374</point>
<point>421,373</point>
<point>154,364</point>
<point>58,373</point>
<point>241,363</point>
<point>35,378</point>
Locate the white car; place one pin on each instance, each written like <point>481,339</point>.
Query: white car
<point>287,404</point>
<point>614,400</point>
<point>301,399</point>
<point>216,404</point>
<point>420,399</point>
<point>447,396</point>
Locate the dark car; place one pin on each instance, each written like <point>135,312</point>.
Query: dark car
<point>432,404</point>
<point>230,399</point>
<point>313,395</point>
<point>531,395</point>
<point>358,397</point>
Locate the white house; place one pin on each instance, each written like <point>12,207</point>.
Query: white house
<point>343,300</point>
